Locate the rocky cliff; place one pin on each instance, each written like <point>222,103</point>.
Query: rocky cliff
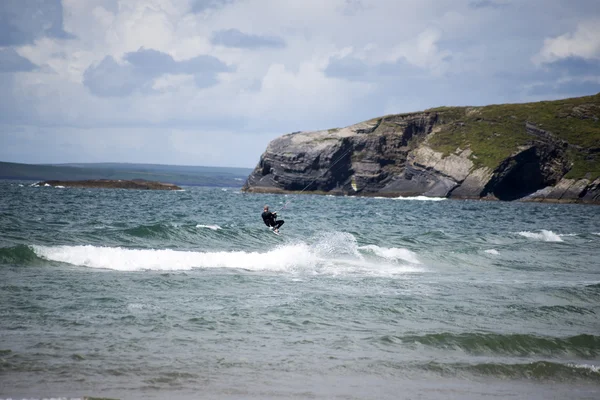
<point>546,151</point>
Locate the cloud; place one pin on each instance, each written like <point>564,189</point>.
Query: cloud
<point>11,61</point>
<point>352,7</point>
<point>237,39</point>
<point>477,4</point>
<point>569,64</point>
<point>23,21</point>
<point>354,69</point>
<point>151,62</point>
<point>350,68</point>
<point>140,68</point>
<point>584,43</point>
<point>200,6</point>
<point>109,78</point>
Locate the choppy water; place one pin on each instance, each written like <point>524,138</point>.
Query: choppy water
<point>136,294</point>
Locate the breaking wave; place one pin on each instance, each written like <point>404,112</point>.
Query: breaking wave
<point>543,235</point>
<point>393,253</point>
<point>335,253</point>
<point>421,198</point>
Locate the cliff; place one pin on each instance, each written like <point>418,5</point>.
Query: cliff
<point>545,151</point>
<point>139,184</point>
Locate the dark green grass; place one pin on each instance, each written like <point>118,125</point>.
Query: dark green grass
<point>495,132</point>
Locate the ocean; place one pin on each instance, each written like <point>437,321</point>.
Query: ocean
<point>187,295</point>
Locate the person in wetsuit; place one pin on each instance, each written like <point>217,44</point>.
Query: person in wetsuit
<point>269,218</point>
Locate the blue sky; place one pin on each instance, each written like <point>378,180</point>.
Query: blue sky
<point>211,82</point>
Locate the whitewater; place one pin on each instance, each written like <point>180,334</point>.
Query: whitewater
<point>185,295</point>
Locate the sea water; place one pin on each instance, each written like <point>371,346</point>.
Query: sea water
<point>186,294</point>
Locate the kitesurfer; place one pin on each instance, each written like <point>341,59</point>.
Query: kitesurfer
<point>269,219</point>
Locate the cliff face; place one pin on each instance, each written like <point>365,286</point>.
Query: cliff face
<point>548,151</point>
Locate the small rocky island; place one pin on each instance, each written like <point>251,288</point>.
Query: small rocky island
<point>139,184</point>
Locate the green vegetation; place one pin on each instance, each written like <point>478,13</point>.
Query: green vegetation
<point>495,132</point>
<point>179,175</point>
<point>584,165</point>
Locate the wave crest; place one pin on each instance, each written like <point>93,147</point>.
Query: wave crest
<point>544,235</point>
<point>393,253</point>
<point>421,198</point>
<point>20,254</point>
<point>584,346</point>
<point>538,370</point>
<point>333,256</point>
<point>211,227</point>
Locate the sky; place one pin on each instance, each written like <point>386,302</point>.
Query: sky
<point>211,82</point>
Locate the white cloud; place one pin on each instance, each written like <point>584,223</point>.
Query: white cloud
<point>584,42</point>
<point>170,82</point>
<point>422,51</point>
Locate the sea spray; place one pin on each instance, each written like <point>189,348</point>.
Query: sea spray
<point>285,258</point>
<point>544,235</point>
<point>211,227</point>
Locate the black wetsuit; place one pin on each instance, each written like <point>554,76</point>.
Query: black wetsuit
<point>269,220</point>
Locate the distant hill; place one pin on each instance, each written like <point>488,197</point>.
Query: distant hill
<point>176,174</point>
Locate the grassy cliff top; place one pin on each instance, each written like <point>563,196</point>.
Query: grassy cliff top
<point>495,132</point>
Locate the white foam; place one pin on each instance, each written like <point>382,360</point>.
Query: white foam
<point>121,259</point>
<point>544,235</point>
<point>336,243</point>
<point>213,227</point>
<point>596,233</point>
<point>291,258</point>
<point>59,187</point>
<point>421,198</point>
<point>393,253</point>
<point>46,185</point>
<point>593,368</point>
<point>492,251</point>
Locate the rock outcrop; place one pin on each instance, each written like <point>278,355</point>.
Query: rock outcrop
<point>139,184</point>
<point>508,152</point>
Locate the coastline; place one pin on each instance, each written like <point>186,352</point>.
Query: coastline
<point>138,184</point>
